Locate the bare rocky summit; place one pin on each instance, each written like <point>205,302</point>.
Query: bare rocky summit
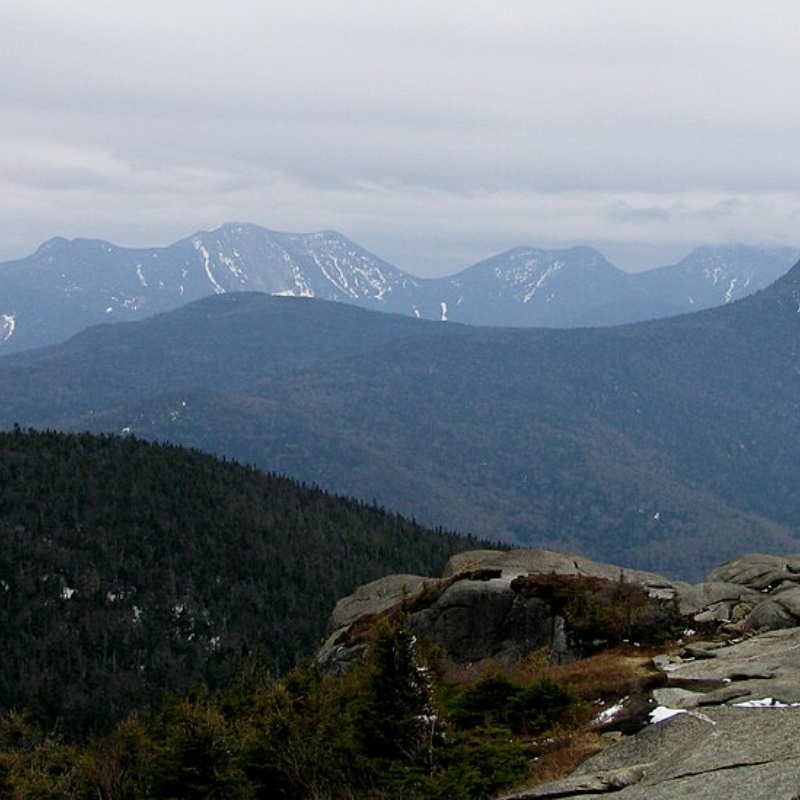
<point>479,608</point>
<point>727,710</point>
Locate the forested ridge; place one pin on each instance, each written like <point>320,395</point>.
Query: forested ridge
<point>666,446</point>
<point>128,569</point>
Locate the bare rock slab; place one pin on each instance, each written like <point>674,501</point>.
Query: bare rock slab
<point>730,753</point>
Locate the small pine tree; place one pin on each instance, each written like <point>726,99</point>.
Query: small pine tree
<point>399,709</point>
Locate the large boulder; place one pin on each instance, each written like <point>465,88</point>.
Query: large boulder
<point>718,601</point>
<point>476,619</point>
<point>496,604</point>
<point>758,571</point>
<point>780,610</point>
<point>376,597</point>
<point>486,605</point>
<point>736,695</point>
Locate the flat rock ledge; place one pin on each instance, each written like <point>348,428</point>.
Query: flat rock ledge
<point>721,752</point>
<point>729,704</point>
<point>730,718</point>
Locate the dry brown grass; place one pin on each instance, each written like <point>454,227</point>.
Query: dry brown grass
<point>610,675</point>
<point>605,676</point>
<point>564,755</point>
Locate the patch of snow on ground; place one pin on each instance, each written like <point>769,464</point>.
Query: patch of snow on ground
<point>661,713</point>
<point>444,311</point>
<point>765,702</point>
<point>609,713</point>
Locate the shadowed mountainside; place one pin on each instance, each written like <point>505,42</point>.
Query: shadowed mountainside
<point>667,445</point>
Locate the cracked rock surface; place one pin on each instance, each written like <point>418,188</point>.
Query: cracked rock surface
<point>718,753</point>
<point>749,611</point>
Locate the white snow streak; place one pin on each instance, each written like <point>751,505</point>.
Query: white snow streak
<point>341,282</point>
<point>303,289</point>
<point>9,325</point>
<point>541,280</point>
<point>765,702</point>
<point>237,272</point>
<point>198,245</point>
<point>140,275</point>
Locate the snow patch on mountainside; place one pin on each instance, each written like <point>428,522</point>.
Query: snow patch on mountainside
<point>206,256</point>
<point>8,326</point>
<point>541,281</point>
<point>524,286</point>
<point>233,268</point>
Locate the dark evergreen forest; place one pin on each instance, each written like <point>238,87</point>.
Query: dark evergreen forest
<point>130,569</point>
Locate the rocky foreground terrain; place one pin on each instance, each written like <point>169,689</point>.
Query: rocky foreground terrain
<point>719,719</point>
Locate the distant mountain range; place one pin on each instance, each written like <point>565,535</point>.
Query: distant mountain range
<point>65,286</point>
<point>666,445</point>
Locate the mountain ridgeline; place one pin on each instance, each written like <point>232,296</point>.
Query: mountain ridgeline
<point>65,286</point>
<point>668,445</point>
<point>129,569</point>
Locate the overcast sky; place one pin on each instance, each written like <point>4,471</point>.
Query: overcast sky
<point>433,133</point>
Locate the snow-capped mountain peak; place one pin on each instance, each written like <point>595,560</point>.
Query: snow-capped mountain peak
<point>67,285</point>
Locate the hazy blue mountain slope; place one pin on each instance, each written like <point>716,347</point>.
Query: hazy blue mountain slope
<point>714,276</point>
<point>66,286</point>
<point>95,281</point>
<point>526,286</point>
<point>668,444</point>
<point>224,343</point>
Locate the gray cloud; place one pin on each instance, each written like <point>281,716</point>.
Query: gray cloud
<point>435,133</point>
